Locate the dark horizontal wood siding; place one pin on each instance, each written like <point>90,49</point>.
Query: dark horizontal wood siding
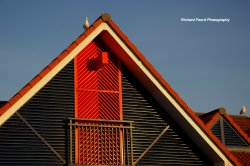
<point>227,134</point>
<point>47,113</point>
<point>174,147</point>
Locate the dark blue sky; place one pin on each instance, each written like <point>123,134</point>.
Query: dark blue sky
<point>207,63</point>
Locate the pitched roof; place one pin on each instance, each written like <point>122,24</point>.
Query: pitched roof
<point>243,122</point>
<point>211,118</point>
<point>151,79</point>
<point>243,157</point>
<point>240,123</point>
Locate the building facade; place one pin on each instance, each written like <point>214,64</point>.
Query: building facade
<point>100,102</point>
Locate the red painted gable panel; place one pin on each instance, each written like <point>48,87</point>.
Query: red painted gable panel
<point>97,96</point>
<point>97,85</point>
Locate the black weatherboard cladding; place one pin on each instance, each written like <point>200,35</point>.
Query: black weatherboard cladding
<point>47,113</point>
<point>174,147</point>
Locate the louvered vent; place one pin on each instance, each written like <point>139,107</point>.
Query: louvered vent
<point>47,113</point>
<point>226,133</point>
<point>174,147</point>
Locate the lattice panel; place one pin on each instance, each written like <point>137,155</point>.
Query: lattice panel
<point>99,145</point>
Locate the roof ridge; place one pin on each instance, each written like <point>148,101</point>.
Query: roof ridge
<point>239,116</point>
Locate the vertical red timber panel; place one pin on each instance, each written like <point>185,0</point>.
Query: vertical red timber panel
<point>98,96</point>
